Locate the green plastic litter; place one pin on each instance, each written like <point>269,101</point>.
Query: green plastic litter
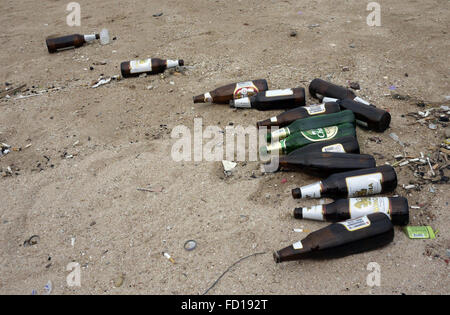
<point>420,232</point>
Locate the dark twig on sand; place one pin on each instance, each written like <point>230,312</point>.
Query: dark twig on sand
<point>229,268</point>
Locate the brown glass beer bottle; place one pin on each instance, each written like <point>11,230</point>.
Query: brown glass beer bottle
<point>272,100</point>
<point>358,183</point>
<point>288,117</point>
<point>324,164</point>
<point>346,144</point>
<point>150,66</point>
<point>369,117</point>
<point>56,44</point>
<point>344,209</point>
<point>224,94</point>
<point>341,239</point>
<point>320,89</point>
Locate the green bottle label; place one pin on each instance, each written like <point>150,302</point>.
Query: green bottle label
<point>320,134</point>
<point>420,232</point>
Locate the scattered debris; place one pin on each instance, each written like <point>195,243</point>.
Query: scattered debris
<point>355,86</point>
<point>420,232</point>
<point>293,34</point>
<point>103,81</point>
<point>401,97</point>
<point>152,189</point>
<point>228,167</point>
<point>190,245</point>
<point>169,257</point>
<point>13,91</point>
<point>48,288</point>
<point>158,14</point>
<point>396,138</point>
<point>4,149</point>
<point>32,241</point>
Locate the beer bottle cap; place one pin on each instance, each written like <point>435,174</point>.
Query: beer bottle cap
<point>298,213</point>
<point>296,193</point>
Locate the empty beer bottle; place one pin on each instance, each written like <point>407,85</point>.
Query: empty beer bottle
<point>334,119</point>
<point>302,138</point>
<point>56,44</point>
<point>341,239</point>
<point>324,164</point>
<point>367,116</point>
<point>272,100</point>
<point>347,144</point>
<point>343,209</point>
<point>319,89</point>
<point>150,66</point>
<point>224,94</point>
<point>292,115</point>
<point>359,183</point>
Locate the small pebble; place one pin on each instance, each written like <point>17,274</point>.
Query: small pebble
<point>119,281</point>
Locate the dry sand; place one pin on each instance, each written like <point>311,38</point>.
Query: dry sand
<point>123,134</point>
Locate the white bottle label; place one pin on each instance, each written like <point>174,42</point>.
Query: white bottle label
<point>280,133</point>
<point>311,191</point>
<point>363,206</point>
<point>208,97</point>
<point>356,224</point>
<point>313,213</point>
<point>364,185</point>
<point>172,64</point>
<point>285,92</point>
<point>315,109</point>
<point>338,148</point>
<point>298,245</point>
<point>138,66</point>
<point>245,89</point>
<point>242,103</point>
<point>329,100</point>
<point>89,38</point>
<point>360,100</point>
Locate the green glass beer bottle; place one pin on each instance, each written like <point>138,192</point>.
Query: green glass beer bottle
<point>302,138</point>
<point>334,119</point>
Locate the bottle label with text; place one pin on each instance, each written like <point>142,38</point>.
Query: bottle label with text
<point>320,134</point>
<point>245,89</point>
<point>315,109</point>
<point>313,213</point>
<point>359,207</point>
<point>274,93</point>
<point>356,224</point>
<point>137,66</point>
<point>364,185</point>
<point>338,148</point>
